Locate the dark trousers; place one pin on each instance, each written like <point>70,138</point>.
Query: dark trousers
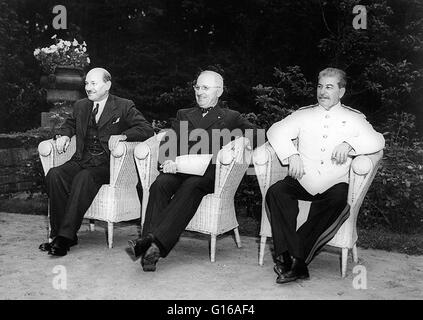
<point>328,211</point>
<point>173,201</point>
<point>72,188</point>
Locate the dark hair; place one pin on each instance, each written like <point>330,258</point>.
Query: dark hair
<point>330,72</point>
<point>107,76</point>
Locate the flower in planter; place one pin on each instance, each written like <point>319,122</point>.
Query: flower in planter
<point>62,53</point>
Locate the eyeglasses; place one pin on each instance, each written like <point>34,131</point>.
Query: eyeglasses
<point>204,88</point>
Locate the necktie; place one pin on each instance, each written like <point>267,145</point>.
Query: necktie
<point>95,111</point>
<point>205,110</point>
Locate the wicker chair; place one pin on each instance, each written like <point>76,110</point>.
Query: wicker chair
<point>216,213</point>
<point>363,169</point>
<point>114,202</point>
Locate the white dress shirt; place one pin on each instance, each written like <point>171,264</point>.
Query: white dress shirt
<point>101,103</point>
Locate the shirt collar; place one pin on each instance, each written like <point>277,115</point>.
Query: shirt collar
<point>334,108</point>
<point>101,103</point>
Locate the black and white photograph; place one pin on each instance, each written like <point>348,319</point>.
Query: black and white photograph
<point>210,156</point>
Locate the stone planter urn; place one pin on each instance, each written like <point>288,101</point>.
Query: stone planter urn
<point>66,84</point>
<point>64,87</point>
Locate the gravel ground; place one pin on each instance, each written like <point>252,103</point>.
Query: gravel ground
<point>92,271</point>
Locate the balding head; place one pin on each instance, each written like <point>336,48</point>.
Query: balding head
<point>218,79</point>
<point>97,84</point>
<point>102,73</point>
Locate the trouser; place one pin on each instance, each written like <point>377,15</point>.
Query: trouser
<point>72,188</point>
<point>173,201</point>
<point>328,211</point>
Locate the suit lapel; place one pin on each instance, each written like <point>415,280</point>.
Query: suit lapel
<point>194,116</point>
<point>86,115</point>
<point>108,111</point>
<point>211,117</point>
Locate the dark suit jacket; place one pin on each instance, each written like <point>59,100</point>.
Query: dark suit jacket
<point>119,116</point>
<point>216,119</point>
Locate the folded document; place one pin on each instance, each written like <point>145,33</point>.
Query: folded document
<point>195,164</point>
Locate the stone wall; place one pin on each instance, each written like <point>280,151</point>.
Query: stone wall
<point>21,173</point>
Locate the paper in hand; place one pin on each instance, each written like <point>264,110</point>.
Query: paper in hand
<point>195,164</point>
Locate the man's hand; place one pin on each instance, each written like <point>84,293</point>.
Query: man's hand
<point>169,166</point>
<point>62,143</point>
<point>340,153</point>
<point>296,167</point>
<point>114,140</point>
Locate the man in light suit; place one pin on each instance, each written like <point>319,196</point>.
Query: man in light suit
<point>98,123</point>
<point>174,197</point>
<point>328,134</point>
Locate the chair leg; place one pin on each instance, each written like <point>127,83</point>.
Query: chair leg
<point>213,248</point>
<point>355,253</point>
<point>237,238</point>
<point>48,219</point>
<point>344,261</point>
<point>92,225</point>
<point>262,248</point>
<point>110,234</point>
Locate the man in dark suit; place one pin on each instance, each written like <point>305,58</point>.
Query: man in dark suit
<point>98,122</point>
<point>174,197</point>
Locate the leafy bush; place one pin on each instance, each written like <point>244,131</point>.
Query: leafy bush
<point>21,99</point>
<point>286,94</point>
<point>394,200</point>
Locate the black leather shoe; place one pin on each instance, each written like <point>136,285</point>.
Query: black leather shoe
<point>60,246</point>
<point>139,246</point>
<point>299,270</point>
<point>283,264</point>
<point>46,246</point>
<point>149,260</point>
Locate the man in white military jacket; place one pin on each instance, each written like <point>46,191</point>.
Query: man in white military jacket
<point>328,134</point>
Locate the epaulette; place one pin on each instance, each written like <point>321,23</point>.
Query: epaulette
<point>308,107</point>
<point>352,109</point>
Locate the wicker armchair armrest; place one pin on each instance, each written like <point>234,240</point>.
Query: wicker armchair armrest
<point>146,156</point>
<point>267,166</point>
<point>49,155</point>
<point>122,167</point>
<point>362,172</point>
<point>231,163</point>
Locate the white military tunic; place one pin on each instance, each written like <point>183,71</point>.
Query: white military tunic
<point>319,131</point>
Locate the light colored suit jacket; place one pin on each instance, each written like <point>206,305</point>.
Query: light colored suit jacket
<point>318,132</point>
